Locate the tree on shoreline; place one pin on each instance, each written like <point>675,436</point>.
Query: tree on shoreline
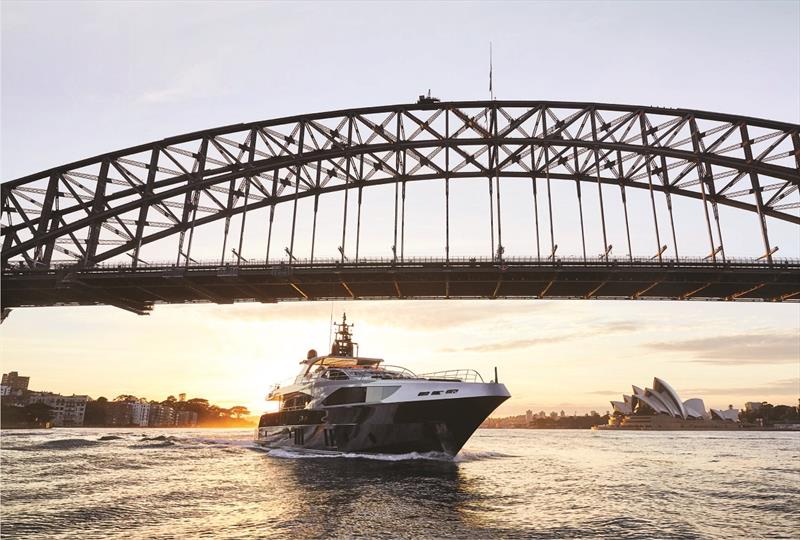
<point>771,414</point>
<point>96,412</point>
<point>239,411</point>
<point>35,414</point>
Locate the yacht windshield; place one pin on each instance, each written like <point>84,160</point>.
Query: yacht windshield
<point>340,374</point>
<point>341,361</point>
<point>334,375</point>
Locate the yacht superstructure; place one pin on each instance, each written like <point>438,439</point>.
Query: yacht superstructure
<point>342,402</point>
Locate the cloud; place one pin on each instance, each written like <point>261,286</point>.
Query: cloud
<point>406,314</point>
<point>619,326</point>
<point>200,80</point>
<point>509,345</point>
<point>604,328</point>
<point>164,95</point>
<point>782,387</point>
<point>776,348</point>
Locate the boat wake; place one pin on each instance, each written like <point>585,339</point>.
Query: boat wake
<point>466,455</point>
<point>410,456</point>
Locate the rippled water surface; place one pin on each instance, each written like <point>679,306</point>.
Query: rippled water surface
<point>100,483</point>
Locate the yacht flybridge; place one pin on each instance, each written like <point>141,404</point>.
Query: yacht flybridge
<point>342,402</point>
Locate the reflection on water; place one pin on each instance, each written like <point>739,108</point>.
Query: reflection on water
<point>370,497</point>
<point>96,483</point>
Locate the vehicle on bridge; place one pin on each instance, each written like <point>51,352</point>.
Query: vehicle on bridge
<point>342,402</point>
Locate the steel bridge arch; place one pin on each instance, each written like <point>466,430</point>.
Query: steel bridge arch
<point>745,163</point>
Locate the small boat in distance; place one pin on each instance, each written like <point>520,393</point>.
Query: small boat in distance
<point>345,403</point>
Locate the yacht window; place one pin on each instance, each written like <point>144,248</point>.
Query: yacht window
<point>436,392</point>
<point>335,375</point>
<point>346,396</point>
<point>423,393</point>
<point>295,403</point>
<point>451,391</point>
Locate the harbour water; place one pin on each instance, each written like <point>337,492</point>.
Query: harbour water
<point>107,483</point>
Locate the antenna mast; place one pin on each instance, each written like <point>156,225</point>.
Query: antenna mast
<point>491,91</point>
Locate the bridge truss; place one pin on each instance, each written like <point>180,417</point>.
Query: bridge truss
<point>75,233</point>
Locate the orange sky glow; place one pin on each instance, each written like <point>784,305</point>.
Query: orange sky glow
<point>552,355</point>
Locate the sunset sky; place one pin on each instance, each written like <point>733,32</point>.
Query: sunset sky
<point>80,79</point>
<point>552,355</point>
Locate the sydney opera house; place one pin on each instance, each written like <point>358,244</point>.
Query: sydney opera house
<point>660,407</point>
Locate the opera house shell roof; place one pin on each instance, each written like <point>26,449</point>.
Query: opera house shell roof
<point>663,399</point>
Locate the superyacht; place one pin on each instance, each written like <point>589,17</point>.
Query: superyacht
<point>345,403</point>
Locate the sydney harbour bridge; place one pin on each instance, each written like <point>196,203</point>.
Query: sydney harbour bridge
<point>619,202</point>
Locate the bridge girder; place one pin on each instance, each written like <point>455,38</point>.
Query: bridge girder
<point>137,290</point>
<point>102,207</point>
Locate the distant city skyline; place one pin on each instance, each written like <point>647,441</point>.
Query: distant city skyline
<point>91,78</point>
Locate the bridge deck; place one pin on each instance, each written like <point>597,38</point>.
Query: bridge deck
<point>138,289</point>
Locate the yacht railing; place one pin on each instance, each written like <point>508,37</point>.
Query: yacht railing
<point>391,372</point>
<point>461,375</point>
<point>402,372</point>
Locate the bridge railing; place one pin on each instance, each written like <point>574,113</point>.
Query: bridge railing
<point>412,262</point>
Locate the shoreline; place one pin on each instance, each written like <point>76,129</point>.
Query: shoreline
<point>603,428</point>
<point>50,428</point>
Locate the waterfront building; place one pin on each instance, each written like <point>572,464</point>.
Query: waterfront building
<point>729,415</point>
<point>129,413</point>
<point>5,390</point>
<point>143,414</point>
<point>161,415</point>
<point>67,410</point>
<point>119,413</point>
<point>186,419</point>
<point>529,416</point>
<point>140,413</point>
<point>751,406</point>
<point>622,407</point>
<point>15,381</point>
<point>660,407</point>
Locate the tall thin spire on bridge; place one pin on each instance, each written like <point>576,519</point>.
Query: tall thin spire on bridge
<point>491,90</point>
